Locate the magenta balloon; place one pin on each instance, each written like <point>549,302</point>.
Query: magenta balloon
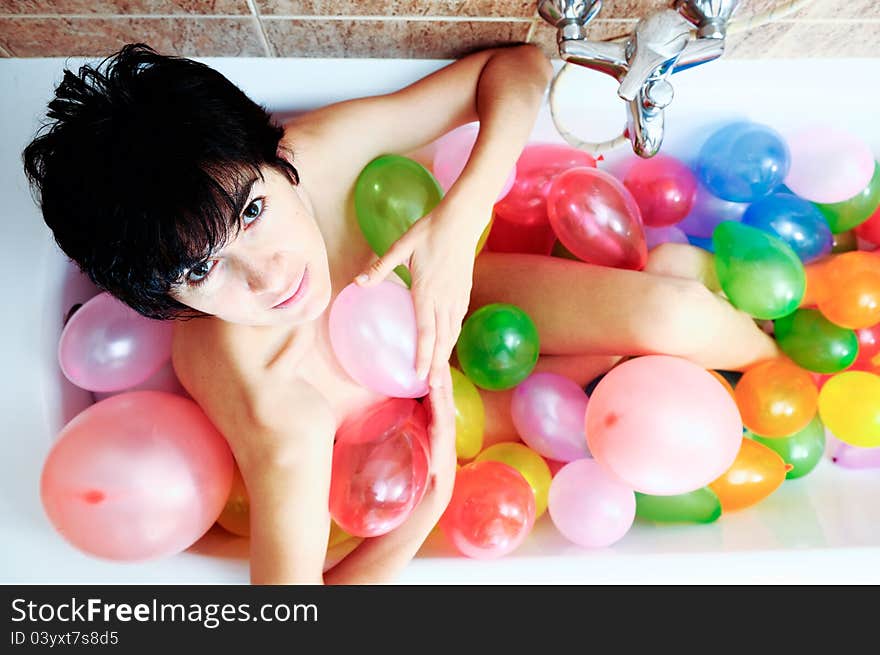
<point>663,425</point>
<point>549,412</point>
<point>664,189</point>
<point>373,333</point>
<point>452,154</point>
<point>536,168</point>
<point>589,506</point>
<point>597,219</point>
<point>828,164</point>
<point>165,379</point>
<point>107,346</point>
<point>655,236</point>
<point>708,211</point>
<point>138,476</point>
<point>380,466</point>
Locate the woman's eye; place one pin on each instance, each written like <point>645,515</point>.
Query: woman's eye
<point>253,211</point>
<point>199,272</point>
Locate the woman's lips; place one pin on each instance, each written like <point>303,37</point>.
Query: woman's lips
<point>298,294</point>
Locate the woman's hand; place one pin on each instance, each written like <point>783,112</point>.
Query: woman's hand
<point>441,476</point>
<point>439,250</point>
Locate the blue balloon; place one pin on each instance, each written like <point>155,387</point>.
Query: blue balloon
<point>743,161</point>
<point>700,242</point>
<point>794,220</point>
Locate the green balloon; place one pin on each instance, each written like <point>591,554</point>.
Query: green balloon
<point>759,272</point>
<point>390,194</point>
<point>700,506</point>
<point>802,450</point>
<point>846,215</point>
<point>498,346</point>
<point>814,342</point>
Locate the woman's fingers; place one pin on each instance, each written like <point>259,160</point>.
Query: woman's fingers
<point>397,254</point>
<point>426,327</point>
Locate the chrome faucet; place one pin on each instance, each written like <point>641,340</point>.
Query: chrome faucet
<point>660,45</point>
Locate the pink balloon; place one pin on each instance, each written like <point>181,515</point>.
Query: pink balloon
<point>373,333</point>
<point>654,236</point>
<point>663,425</point>
<point>548,411</point>
<point>453,151</point>
<point>597,219</point>
<point>589,506</point>
<point>138,476</point>
<point>107,346</point>
<point>165,379</point>
<point>664,189</point>
<point>380,465</point>
<point>853,457</point>
<point>828,164</point>
<point>509,236</point>
<point>536,168</point>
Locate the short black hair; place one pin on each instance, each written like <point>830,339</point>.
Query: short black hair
<point>142,169</point>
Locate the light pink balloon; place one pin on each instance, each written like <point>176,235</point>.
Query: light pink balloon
<point>654,236</point>
<point>107,346</point>
<point>663,425</point>
<point>373,333</point>
<point>853,457</point>
<point>165,379</point>
<point>138,476</point>
<point>828,164</point>
<point>589,506</point>
<point>548,411</point>
<point>453,151</point>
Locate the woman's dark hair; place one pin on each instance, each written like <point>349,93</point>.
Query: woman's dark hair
<point>143,168</point>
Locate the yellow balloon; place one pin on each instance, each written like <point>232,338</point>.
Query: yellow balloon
<point>337,535</point>
<point>849,406</point>
<point>470,416</point>
<point>236,515</point>
<point>529,463</point>
<point>485,235</point>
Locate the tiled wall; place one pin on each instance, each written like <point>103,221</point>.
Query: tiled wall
<point>387,28</point>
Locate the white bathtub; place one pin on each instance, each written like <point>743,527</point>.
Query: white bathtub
<point>822,528</point>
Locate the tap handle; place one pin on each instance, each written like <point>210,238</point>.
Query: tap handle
<point>560,13</point>
<point>653,49</point>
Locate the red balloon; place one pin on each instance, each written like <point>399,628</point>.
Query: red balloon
<point>664,189</point>
<point>870,229</point>
<point>536,167</point>
<point>509,236</point>
<point>380,465</point>
<point>597,219</point>
<point>869,349</point>
<point>491,512</point>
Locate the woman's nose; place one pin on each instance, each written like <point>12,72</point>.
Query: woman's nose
<point>267,276</point>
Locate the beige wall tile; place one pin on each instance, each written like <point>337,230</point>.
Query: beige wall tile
<point>221,7</point>
<point>598,30</point>
<point>846,39</point>
<point>759,42</point>
<point>479,8</point>
<point>389,38</point>
<point>52,37</point>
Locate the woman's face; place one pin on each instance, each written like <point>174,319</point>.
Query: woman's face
<point>273,272</point>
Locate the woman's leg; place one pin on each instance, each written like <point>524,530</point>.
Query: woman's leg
<point>581,309</point>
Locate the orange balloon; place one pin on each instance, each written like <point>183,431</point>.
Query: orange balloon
<point>776,398</point>
<point>756,473</point>
<point>236,515</point>
<point>817,286</point>
<point>851,296</point>
<point>724,383</point>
